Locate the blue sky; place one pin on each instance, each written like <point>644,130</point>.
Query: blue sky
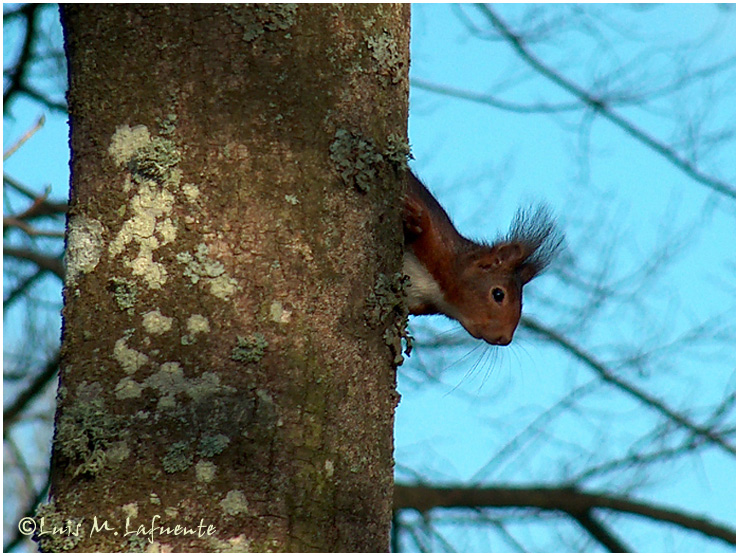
<point>482,163</point>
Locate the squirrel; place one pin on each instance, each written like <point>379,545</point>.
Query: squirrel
<point>480,285</point>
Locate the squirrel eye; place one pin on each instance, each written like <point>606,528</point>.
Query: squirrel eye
<point>498,295</point>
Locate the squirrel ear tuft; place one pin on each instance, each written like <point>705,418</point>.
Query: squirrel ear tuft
<point>540,239</point>
<point>528,271</point>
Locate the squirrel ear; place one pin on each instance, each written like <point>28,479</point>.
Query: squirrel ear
<point>504,255</point>
<point>511,253</point>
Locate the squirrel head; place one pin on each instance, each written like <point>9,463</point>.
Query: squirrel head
<point>489,292</point>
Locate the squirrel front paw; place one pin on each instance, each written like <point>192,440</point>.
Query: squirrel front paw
<point>412,216</point>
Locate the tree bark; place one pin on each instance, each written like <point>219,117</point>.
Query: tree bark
<point>234,245</point>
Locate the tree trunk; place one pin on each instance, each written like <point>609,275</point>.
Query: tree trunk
<point>231,312</point>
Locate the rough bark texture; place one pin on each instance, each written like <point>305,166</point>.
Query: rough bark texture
<point>231,306</point>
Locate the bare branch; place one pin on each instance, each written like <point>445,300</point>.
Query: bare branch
<point>11,222</point>
<point>25,137</point>
<point>606,375</point>
<point>46,262</point>
<point>639,459</point>
<point>491,100</point>
<point>18,186</point>
<point>20,289</point>
<point>17,75</point>
<point>30,511</point>
<point>568,500</point>
<point>600,532</point>
<point>45,208</point>
<point>11,414</point>
<point>600,106</point>
<point>43,99</point>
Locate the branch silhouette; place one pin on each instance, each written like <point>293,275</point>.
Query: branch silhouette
<point>605,374</point>
<point>600,106</point>
<point>572,501</point>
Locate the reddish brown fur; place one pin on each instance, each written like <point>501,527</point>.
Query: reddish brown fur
<point>479,285</point>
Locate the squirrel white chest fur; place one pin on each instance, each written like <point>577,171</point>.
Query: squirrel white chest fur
<point>422,289</point>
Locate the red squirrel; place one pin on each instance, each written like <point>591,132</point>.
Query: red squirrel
<point>479,285</point>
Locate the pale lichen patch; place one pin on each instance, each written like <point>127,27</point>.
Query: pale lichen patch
<point>197,324</point>
<point>153,200</point>
<point>223,287</point>
<point>166,403</point>
<point>167,231</point>
<point>200,268</point>
<point>191,192</point>
<point>205,471</point>
<point>154,273</point>
<point>234,503</point>
<point>277,313</point>
<point>89,434</point>
<point>127,388</point>
<point>170,380</point>
<point>356,158</point>
<point>156,160</point>
<point>84,246</point>
<point>118,452</point>
<point>264,18</point>
<point>124,293</point>
<point>156,323</point>
<point>329,468</point>
<point>130,359</point>
<point>131,510</point>
<point>209,384</point>
<point>388,57</point>
<point>151,163</point>
<point>150,228</point>
<point>57,526</point>
<point>126,141</point>
<point>386,306</point>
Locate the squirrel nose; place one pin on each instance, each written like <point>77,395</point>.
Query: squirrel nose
<point>502,340</point>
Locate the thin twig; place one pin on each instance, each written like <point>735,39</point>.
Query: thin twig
<point>25,137</point>
<point>599,106</point>
<point>491,100</point>
<point>624,386</point>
